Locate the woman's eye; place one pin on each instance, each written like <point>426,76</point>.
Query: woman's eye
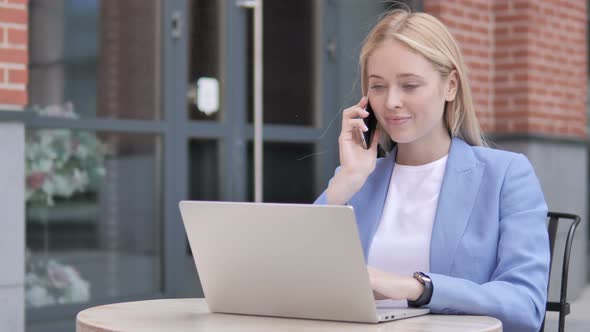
<point>410,86</point>
<point>377,86</point>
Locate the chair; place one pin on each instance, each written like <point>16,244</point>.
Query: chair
<point>563,307</point>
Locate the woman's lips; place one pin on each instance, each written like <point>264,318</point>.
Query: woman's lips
<point>398,120</point>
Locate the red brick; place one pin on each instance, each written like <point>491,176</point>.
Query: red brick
<point>13,97</point>
<point>18,76</point>
<point>455,12</point>
<point>501,30</point>
<point>500,103</point>
<point>521,29</point>
<point>511,42</point>
<point>14,56</point>
<point>12,15</point>
<point>18,37</point>
<point>501,54</point>
<point>500,6</point>
<point>503,19</point>
<point>521,5</point>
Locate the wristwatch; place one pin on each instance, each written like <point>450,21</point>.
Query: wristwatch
<point>424,299</point>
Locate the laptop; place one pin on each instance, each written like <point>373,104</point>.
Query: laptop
<point>283,260</point>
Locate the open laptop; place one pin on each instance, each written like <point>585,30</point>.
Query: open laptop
<point>285,260</point>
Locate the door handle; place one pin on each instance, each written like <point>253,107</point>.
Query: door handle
<point>176,25</point>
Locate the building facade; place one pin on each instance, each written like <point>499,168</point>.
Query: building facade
<point>113,111</point>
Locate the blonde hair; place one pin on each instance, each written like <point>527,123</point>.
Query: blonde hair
<point>427,36</point>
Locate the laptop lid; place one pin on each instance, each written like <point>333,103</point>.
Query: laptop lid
<point>286,260</point>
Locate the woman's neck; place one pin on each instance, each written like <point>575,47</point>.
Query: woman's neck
<point>423,151</point>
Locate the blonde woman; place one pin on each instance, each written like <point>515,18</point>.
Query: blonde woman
<point>445,222</point>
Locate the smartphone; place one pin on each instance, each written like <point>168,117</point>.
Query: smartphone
<point>371,123</point>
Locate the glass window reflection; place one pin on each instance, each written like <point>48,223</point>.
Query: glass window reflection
<point>289,90</point>
<point>101,57</point>
<point>92,215</point>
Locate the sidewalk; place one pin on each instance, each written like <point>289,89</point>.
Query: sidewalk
<point>578,320</point>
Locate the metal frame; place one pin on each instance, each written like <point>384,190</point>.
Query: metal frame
<point>176,156</point>
<point>233,68</point>
<point>326,47</point>
<point>258,82</point>
<point>563,307</point>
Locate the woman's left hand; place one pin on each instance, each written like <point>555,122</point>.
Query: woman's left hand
<point>392,286</point>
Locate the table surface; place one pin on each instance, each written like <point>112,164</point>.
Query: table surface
<point>193,315</point>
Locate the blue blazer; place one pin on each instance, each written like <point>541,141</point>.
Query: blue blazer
<point>489,251</point>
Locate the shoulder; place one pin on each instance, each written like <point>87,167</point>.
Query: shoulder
<point>514,174</point>
<point>500,159</point>
<point>497,166</point>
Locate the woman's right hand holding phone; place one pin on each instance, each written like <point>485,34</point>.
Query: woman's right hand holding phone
<point>356,162</point>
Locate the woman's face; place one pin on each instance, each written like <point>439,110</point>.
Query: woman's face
<point>407,94</point>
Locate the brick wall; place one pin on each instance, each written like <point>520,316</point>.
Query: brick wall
<point>13,53</point>
<point>527,61</point>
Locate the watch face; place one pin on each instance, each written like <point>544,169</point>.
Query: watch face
<point>421,277</point>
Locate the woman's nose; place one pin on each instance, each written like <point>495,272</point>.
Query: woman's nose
<point>393,99</point>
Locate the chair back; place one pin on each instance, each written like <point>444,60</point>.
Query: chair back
<point>571,221</point>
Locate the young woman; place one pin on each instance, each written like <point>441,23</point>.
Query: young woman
<point>444,221</point>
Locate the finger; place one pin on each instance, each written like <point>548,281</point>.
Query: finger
<point>357,123</point>
<point>363,102</point>
<point>355,112</point>
<point>356,136</point>
<point>353,125</point>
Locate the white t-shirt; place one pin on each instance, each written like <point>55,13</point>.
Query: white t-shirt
<point>402,242</point>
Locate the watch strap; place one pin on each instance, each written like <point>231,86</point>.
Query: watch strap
<point>424,299</point>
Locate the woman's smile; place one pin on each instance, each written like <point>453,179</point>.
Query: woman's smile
<point>397,120</point>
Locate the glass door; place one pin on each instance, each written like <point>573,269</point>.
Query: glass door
<point>219,110</point>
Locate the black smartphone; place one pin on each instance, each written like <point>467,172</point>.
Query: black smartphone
<point>371,123</point>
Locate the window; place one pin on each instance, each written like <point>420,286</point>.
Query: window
<point>94,157</point>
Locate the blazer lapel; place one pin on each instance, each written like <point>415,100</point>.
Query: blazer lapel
<point>455,202</point>
<point>369,201</point>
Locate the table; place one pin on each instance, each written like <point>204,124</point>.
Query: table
<point>193,315</point>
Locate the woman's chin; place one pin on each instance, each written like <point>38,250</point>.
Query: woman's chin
<point>402,139</point>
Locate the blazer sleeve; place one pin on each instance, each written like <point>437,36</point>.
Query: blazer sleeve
<point>517,291</point>
<point>322,199</point>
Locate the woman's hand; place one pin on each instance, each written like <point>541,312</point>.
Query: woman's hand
<point>392,286</point>
<point>356,162</point>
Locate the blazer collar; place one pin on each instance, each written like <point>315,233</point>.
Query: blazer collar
<point>455,202</point>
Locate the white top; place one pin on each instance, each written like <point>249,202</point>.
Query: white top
<point>402,242</point>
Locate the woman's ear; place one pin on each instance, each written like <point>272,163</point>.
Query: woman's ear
<point>452,86</point>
